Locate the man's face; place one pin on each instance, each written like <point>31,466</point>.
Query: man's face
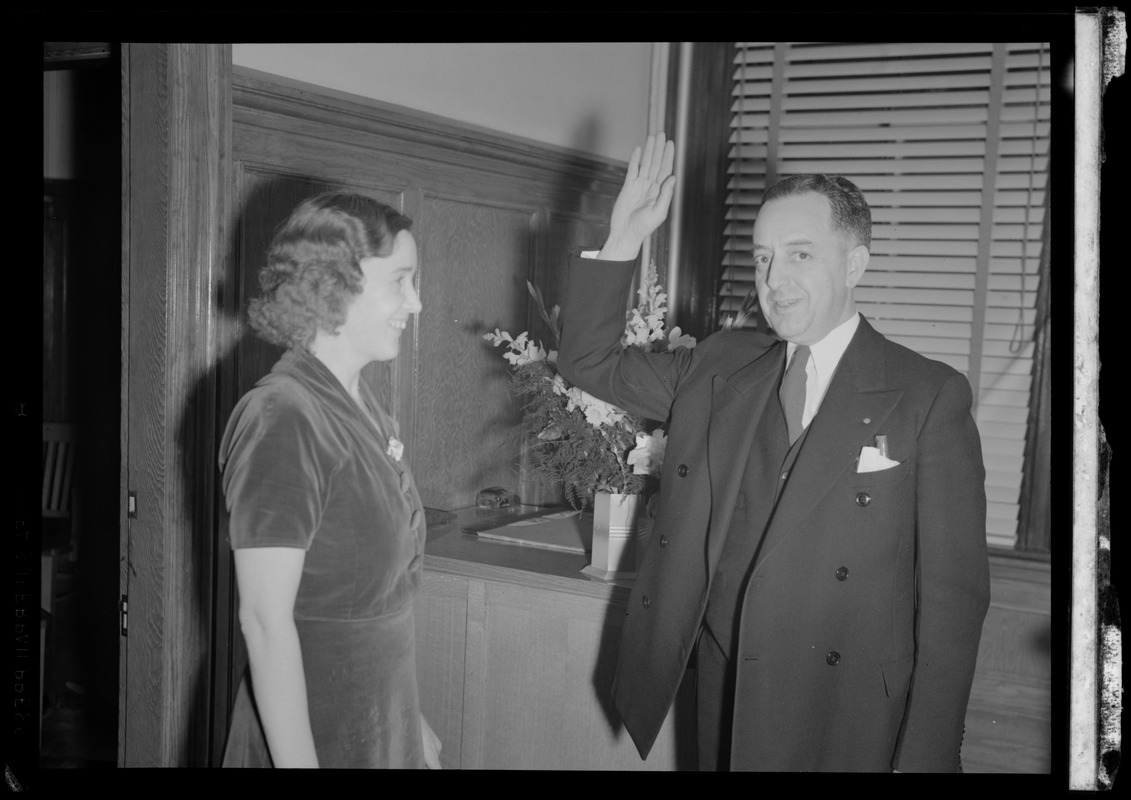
<point>805,268</point>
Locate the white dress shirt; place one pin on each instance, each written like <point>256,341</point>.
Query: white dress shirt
<point>825,355</point>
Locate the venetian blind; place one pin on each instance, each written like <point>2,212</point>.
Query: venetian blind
<point>949,143</point>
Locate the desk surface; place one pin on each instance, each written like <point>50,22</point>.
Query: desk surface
<point>449,550</point>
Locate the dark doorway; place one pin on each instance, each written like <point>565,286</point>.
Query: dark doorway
<point>82,341</point>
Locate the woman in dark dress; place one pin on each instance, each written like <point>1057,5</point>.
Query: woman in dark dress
<point>326,524</point>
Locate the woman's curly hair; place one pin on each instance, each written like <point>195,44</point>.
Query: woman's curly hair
<point>313,266</point>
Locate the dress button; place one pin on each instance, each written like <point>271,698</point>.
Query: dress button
<point>682,470</point>
<point>833,658</point>
<point>863,499</point>
<point>647,601</point>
<point>842,574</point>
<point>406,481</point>
<point>417,516</point>
<point>663,541</point>
<point>784,475</point>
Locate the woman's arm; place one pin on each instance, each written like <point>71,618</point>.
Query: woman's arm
<point>268,579</point>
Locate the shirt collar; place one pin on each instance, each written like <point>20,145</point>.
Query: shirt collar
<point>827,352</point>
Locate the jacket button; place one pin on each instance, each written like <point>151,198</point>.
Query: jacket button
<point>842,574</point>
<point>863,499</point>
<point>663,541</point>
<point>682,470</point>
<point>833,658</point>
<point>647,601</point>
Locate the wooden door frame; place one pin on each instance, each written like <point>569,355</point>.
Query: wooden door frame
<point>176,189</point>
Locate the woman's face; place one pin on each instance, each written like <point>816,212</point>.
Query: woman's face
<point>379,314</point>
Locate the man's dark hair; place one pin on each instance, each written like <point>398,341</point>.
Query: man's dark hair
<point>850,212</point>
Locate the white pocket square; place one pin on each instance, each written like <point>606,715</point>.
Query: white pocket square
<point>870,460</point>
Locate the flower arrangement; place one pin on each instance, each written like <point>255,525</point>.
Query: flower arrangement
<point>587,444</point>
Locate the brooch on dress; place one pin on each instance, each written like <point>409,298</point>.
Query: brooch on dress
<point>395,449</point>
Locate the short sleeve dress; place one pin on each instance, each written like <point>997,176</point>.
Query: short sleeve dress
<point>304,467</point>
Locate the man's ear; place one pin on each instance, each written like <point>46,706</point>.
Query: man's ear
<point>857,262</point>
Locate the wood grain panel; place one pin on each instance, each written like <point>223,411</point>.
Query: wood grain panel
<point>473,267</point>
<point>426,145</point>
<point>550,659</point>
<point>441,645</point>
<point>565,232</point>
<point>142,653</point>
<point>176,194</point>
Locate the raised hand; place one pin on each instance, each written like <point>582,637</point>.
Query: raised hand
<point>643,202</point>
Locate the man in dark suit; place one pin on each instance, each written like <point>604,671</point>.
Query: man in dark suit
<point>820,538</point>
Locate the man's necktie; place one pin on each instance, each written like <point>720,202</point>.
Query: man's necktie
<point>792,393</point>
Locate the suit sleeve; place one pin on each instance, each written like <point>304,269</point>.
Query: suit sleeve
<point>953,588</point>
<point>590,354</point>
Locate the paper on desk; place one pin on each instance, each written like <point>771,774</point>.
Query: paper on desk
<point>566,530</point>
<point>547,518</point>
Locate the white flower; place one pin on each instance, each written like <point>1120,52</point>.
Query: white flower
<point>648,455</point>
<point>521,350</point>
<point>498,337</point>
<point>597,412</point>
<point>395,448</point>
<point>677,339</point>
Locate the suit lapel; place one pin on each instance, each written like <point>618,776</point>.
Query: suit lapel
<point>856,404</point>
<point>738,401</point>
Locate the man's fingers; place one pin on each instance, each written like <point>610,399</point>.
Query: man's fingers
<point>667,190</point>
<point>659,154</point>
<point>669,161</point>
<point>633,164</point>
<point>646,160</point>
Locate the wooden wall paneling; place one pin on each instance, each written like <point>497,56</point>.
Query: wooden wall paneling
<point>198,208</point>
<point>566,232</point>
<point>474,730</point>
<point>142,657</point>
<point>125,558</point>
<point>175,194</point>
<point>474,259</point>
<point>441,647</point>
<point>550,660</point>
<point>424,143</point>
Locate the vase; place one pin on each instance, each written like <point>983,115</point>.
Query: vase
<point>619,530</point>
